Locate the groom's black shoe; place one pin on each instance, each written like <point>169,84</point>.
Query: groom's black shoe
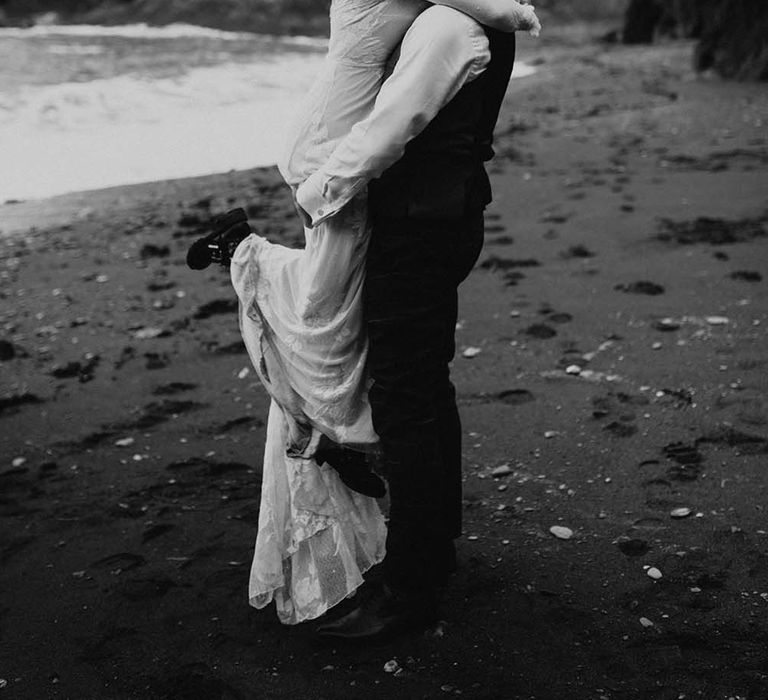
<point>353,469</point>
<point>384,615</point>
<point>218,246</point>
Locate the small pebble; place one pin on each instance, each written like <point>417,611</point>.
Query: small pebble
<point>503,470</point>
<point>681,512</point>
<point>18,461</point>
<point>148,333</point>
<point>716,320</point>
<point>573,369</point>
<point>666,324</point>
<point>244,372</point>
<point>391,666</point>
<point>124,442</point>
<point>471,352</point>
<point>645,622</point>
<point>654,573</point>
<point>562,533</point>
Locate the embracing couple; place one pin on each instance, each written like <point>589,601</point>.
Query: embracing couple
<point>353,335</point>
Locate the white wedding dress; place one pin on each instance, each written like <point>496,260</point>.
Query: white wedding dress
<point>301,320</point>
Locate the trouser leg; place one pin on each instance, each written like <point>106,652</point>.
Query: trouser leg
<point>413,272</point>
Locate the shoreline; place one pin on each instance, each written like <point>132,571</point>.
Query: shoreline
<point>18,216</point>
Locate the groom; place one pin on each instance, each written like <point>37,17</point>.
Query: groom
<point>422,150</point>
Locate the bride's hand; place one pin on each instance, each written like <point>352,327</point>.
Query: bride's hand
<point>518,17</point>
<point>534,25</point>
<point>504,15</point>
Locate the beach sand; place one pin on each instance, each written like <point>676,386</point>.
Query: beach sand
<point>619,310</point>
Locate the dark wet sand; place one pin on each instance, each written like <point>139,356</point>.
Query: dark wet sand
<point>619,308</point>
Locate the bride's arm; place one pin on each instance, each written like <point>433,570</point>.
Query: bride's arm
<point>442,51</point>
<point>504,15</point>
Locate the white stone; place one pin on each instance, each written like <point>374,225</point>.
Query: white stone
<point>391,666</point>
<point>471,352</point>
<point>147,333</point>
<point>124,442</point>
<point>573,369</point>
<point>645,622</point>
<point>503,470</point>
<point>681,512</point>
<point>654,573</point>
<point>562,533</point>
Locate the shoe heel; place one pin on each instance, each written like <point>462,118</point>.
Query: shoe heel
<point>217,247</point>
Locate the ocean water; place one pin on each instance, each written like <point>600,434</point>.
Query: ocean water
<point>85,107</point>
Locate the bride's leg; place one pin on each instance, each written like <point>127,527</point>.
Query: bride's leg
<point>301,320</point>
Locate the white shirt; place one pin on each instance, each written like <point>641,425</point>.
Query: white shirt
<point>441,52</point>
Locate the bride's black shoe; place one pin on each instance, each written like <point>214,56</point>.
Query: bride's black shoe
<point>353,469</point>
<point>218,246</point>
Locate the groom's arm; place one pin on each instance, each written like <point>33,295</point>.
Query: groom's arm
<point>441,52</point>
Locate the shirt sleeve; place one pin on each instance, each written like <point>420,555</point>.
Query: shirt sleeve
<point>441,52</point>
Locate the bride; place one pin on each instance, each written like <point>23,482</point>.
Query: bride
<point>301,320</point>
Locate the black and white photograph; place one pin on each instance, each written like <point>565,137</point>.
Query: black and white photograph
<point>373,349</point>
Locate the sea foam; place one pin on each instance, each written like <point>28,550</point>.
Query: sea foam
<point>145,31</point>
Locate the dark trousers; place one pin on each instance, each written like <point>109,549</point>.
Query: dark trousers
<point>414,268</point>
